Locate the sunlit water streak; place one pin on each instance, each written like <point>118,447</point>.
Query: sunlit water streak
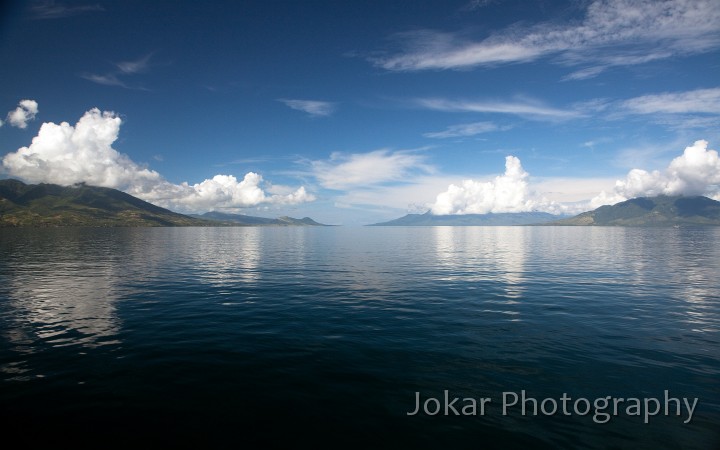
<point>324,334</point>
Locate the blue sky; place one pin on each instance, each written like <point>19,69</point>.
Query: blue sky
<point>357,112</point>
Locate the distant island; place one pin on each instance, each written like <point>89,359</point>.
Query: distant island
<point>51,205</point>
<point>491,219</point>
<point>661,211</point>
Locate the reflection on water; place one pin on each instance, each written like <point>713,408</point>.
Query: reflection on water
<point>67,307</point>
<point>61,286</point>
<point>337,328</point>
<point>483,254</point>
<point>225,256</point>
<point>686,260</point>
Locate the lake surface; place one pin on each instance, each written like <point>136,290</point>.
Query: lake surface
<point>224,337</point>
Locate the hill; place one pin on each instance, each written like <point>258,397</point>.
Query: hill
<point>651,212</point>
<point>43,205</point>
<point>492,219</point>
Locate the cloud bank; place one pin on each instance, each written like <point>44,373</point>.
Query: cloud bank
<point>695,172</point>
<point>25,112</point>
<point>506,193</point>
<point>64,154</point>
<point>611,33</point>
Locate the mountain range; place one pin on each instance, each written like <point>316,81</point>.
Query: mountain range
<point>82,205</point>
<point>51,205</point>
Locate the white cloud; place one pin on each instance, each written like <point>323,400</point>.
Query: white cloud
<point>612,32</point>
<point>25,112</point>
<point>315,108</point>
<point>695,172</point>
<point>65,155</point>
<point>343,171</point>
<point>507,193</point>
<point>219,192</point>
<point>527,108</point>
<point>464,129</point>
<point>688,102</point>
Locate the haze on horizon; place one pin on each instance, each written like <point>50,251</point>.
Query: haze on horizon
<point>356,114</point>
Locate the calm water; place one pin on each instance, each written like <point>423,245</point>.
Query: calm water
<point>231,336</point>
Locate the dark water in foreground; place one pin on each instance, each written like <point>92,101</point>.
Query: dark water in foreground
<point>212,337</point>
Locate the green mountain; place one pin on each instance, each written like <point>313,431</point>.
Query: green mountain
<point>492,219</point>
<point>42,205</point>
<point>651,212</point>
<point>241,219</point>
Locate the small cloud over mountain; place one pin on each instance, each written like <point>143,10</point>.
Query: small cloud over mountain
<point>695,172</point>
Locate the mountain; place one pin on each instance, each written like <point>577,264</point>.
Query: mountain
<point>651,212</point>
<point>241,219</point>
<point>492,219</point>
<point>80,205</point>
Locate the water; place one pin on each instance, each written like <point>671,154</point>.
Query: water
<point>223,337</point>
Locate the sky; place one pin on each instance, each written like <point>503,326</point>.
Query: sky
<point>359,112</point>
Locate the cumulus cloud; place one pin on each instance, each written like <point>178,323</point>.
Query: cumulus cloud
<point>611,33</point>
<point>695,172</point>
<point>464,130</point>
<point>65,154</point>
<point>343,171</point>
<point>315,108</point>
<point>25,112</point>
<point>221,191</point>
<point>506,193</point>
